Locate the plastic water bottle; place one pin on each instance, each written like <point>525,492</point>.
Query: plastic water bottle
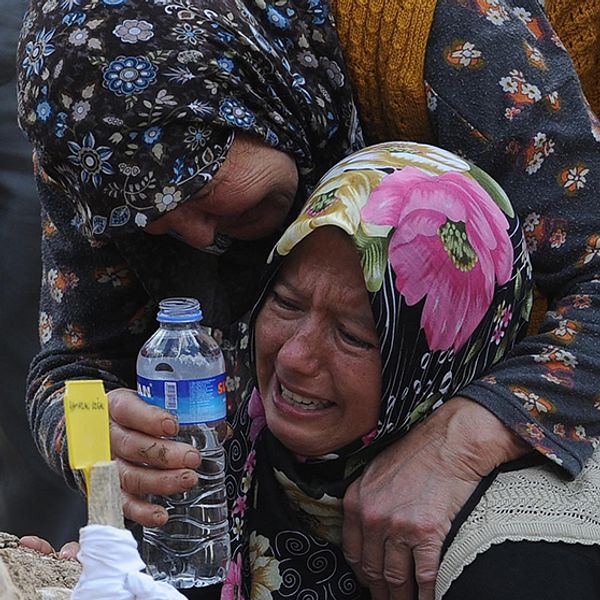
<point>181,368</point>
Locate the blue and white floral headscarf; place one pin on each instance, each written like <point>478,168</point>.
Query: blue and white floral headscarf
<point>132,105</point>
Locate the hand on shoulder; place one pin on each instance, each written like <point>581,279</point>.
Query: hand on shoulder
<point>397,515</point>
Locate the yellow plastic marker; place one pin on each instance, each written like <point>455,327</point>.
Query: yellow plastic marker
<point>86,418</point>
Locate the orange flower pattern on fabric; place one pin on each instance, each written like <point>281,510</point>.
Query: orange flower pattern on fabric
<point>592,250</point>
<point>552,101</point>
<point>535,404</point>
<point>573,179</point>
<point>117,276</point>
<point>541,232</point>
<point>45,327</point>
<point>534,56</point>
<point>547,391</point>
<point>519,91</point>
<point>48,228</point>
<point>463,54</point>
<point>559,365</point>
<point>536,152</point>
<point>582,301</point>
<point>60,283</point>
<point>566,331</point>
<point>493,11</point>
<point>74,337</point>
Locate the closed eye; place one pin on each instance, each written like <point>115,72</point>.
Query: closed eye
<point>283,302</point>
<point>355,341</point>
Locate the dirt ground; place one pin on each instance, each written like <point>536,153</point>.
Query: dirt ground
<point>28,575</point>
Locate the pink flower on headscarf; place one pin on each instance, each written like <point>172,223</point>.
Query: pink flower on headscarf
<point>250,462</point>
<point>256,412</point>
<point>450,245</point>
<point>232,586</point>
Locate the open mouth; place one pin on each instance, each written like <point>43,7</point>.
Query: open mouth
<point>303,402</point>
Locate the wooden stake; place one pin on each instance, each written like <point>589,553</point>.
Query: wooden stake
<point>104,495</point>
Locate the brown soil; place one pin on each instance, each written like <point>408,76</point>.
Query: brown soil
<point>28,575</point>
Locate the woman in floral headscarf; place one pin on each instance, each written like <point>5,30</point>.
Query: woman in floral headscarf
<point>432,244</point>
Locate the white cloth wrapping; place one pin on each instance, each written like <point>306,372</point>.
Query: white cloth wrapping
<point>112,568</point>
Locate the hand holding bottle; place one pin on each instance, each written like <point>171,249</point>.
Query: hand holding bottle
<point>149,464</point>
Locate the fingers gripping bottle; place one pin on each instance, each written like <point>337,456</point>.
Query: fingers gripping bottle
<point>181,368</point>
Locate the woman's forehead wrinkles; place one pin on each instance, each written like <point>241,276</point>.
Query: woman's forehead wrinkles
<point>342,300</point>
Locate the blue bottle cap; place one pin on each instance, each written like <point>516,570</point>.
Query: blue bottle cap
<point>179,310</point>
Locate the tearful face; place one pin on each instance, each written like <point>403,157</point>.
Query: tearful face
<point>317,349</point>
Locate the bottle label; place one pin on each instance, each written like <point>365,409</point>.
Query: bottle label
<point>191,400</point>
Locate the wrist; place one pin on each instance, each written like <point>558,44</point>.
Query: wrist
<point>480,438</point>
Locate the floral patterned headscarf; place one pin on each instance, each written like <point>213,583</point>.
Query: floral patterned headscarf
<point>132,105</point>
<point>449,282</point>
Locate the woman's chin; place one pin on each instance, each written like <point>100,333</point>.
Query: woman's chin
<point>301,446</point>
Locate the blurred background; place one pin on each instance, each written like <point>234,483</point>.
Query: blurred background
<point>33,500</point>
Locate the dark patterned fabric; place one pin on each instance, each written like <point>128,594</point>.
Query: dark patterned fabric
<point>131,106</point>
<point>449,279</point>
<point>503,92</point>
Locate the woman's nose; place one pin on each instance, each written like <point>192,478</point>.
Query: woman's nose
<point>302,351</point>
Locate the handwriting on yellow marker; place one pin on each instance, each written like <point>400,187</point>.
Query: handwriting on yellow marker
<point>86,418</point>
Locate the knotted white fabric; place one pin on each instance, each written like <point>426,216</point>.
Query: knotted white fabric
<point>112,568</point>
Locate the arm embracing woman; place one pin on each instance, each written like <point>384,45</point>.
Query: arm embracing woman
<point>501,91</point>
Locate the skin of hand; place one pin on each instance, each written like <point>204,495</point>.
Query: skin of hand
<point>148,463</point>
<point>398,513</point>
<point>33,542</point>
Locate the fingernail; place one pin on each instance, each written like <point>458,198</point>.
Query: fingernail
<point>189,479</point>
<point>160,517</point>
<point>65,554</point>
<point>169,427</point>
<point>191,459</point>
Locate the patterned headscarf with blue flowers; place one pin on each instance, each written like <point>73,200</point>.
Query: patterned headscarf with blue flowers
<point>132,105</point>
<point>449,282</point>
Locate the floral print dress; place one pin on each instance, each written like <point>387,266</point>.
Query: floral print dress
<point>502,91</point>
<point>132,106</point>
